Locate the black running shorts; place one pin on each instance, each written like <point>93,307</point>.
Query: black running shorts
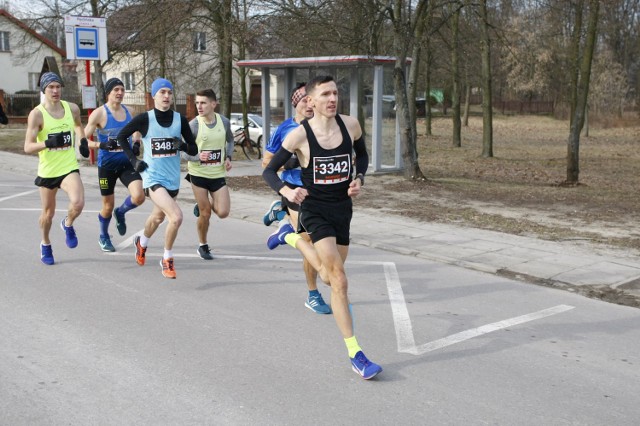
<point>52,183</point>
<point>172,192</point>
<point>321,220</point>
<point>107,178</point>
<point>211,185</point>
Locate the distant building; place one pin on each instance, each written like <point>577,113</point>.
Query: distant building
<point>22,53</point>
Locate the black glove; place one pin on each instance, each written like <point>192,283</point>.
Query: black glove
<point>54,141</point>
<point>140,166</point>
<point>84,147</point>
<point>136,148</point>
<point>179,144</point>
<point>110,145</point>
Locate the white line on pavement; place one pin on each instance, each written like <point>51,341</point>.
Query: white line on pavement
<point>18,195</point>
<point>475,332</point>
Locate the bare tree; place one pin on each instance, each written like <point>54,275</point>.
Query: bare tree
<point>403,31</point>
<point>582,92</point>
<point>456,137</point>
<point>487,96</point>
<point>242,17</point>
<point>609,85</point>
<point>574,58</point>
<point>527,56</point>
<point>620,32</point>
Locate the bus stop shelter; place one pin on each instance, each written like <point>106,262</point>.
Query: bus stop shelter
<point>365,85</point>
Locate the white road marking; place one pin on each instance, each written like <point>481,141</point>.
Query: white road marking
<point>18,195</point>
<point>475,332</point>
<point>404,329</point>
<point>401,320</point>
<point>195,255</point>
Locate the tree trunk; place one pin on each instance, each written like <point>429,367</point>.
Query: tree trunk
<point>573,147</point>
<point>412,86</point>
<point>428,48</point>
<point>455,83</point>
<point>407,128</point>
<point>422,22</point>
<point>487,102</point>
<point>574,58</point>
<point>222,16</point>
<point>427,107</point>
<point>467,100</point>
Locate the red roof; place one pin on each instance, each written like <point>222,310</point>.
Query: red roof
<point>25,27</point>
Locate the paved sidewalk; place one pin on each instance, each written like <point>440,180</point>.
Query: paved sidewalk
<point>571,264</point>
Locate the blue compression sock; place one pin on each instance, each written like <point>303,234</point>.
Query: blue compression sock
<point>127,205</point>
<point>104,225</point>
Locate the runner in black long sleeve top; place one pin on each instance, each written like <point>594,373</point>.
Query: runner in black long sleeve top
<point>140,123</point>
<point>163,131</point>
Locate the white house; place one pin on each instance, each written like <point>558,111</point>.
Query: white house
<point>22,53</point>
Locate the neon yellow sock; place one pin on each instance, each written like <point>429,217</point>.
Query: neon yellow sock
<point>352,346</point>
<point>292,239</point>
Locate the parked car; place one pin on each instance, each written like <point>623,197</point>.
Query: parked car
<point>255,126</point>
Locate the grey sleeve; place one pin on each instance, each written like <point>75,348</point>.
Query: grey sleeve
<point>193,125</point>
<point>229,133</point>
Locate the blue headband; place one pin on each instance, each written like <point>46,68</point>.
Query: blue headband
<point>160,83</point>
<point>49,77</point>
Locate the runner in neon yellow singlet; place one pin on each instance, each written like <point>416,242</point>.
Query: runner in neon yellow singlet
<point>208,169</point>
<point>53,131</point>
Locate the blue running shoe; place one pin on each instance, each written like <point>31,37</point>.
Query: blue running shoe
<point>105,244</point>
<point>46,254</point>
<point>272,214</point>
<point>316,303</point>
<point>277,238</point>
<point>72,240</point>
<point>196,210</point>
<point>361,365</point>
<point>120,223</point>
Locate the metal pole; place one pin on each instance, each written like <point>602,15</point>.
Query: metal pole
<point>87,68</point>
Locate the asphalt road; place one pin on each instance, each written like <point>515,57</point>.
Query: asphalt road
<point>98,340</point>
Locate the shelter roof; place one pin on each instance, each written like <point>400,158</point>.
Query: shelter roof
<point>318,61</point>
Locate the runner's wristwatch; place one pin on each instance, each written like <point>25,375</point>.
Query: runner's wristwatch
<point>361,177</point>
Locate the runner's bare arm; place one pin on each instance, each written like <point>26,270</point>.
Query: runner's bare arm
<point>97,120</point>
<point>34,125</point>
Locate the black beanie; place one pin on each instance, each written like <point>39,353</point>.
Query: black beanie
<point>110,84</point>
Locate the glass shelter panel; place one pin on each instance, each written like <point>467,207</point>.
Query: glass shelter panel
<point>365,87</point>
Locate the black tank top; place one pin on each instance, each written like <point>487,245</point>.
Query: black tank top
<point>328,174</point>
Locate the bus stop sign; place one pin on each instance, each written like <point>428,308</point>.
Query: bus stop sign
<point>86,38</point>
